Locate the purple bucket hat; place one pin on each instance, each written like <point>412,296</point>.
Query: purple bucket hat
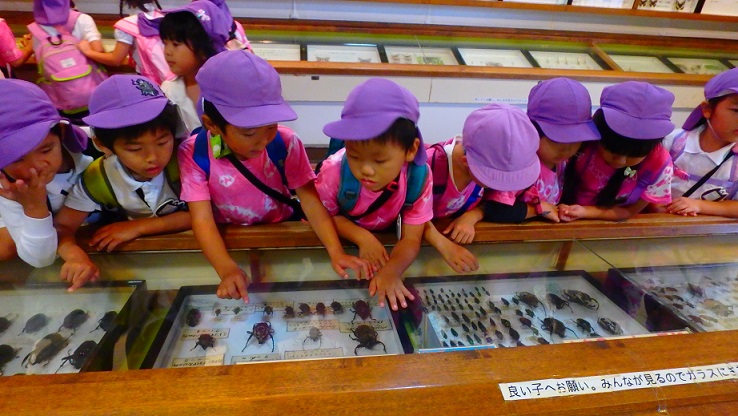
<point>724,83</point>
<point>371,108</point>
<point>212,19</point>
<point>637,110</point>
<point>51,12</point>
<point>26,117</point>
<point>500,144</point>
<point>127,100</point>
<point>563,110</point>
<point>250,96</point>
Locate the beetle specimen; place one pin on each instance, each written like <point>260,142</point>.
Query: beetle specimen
<point>289,312</point>
<point>445,318</point>
<point>80,355</point>
<point>453,343</point>
<point>217,312</point>
<point>513,334</point>
<point>585,326</point>
<point>709,318</point>
<point>314,335</point>
<point>492,323</point>
<point>466,318</point>
<point>45,349</point>
<point>262,331</point>
<point>482,311</point>
<point>554,326</point>
<point>320,308</point>
<point>74,319</point>
<point>610,326</point>
<point>542,341</point>
<point>474,326</point>
<point>698,320</point>
<point>482,327</point>
<point>454,333</point>
<point>205,341</point>
<point>7,354</point>
<point>530,313</point>
<point>469,338</point>
<point>505,323</point>
<point>476,338</point>
<point>581,298</point>
<point>498,311</point>
<point>5,323</point>
<point>35,323</point>
<point>558,302</point>
<point>304,309</point>
<point>237,310</point>
<point>362,309</point>
<point>367,338</point>
<point>499,335</point>
<point>455,316</point>
<point>527,298</point>
<point>695,290</point>
<point>107,322</point>
<point>193,317</point>
<point>525,322</point>
<point>465,328</point>
<point>505,302</point>
<point>337,308</point>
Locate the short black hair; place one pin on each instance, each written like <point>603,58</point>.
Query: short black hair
<point>622,145</point>
<point>168,119</point>
<point>402,132</point>
<point>211,111</point>
<point>184,27</point>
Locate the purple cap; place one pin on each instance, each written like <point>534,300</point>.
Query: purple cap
<point>26,117</point>
<point>51,12</point>
<point>563,110</point>
<point>501,144</point>
<point>223,8</point>
<point>637,110</point>
<point>371,108</point>
<point>215,23</point>
<point>250,96</point>
<point>127,100</point>
<point>724,83</point>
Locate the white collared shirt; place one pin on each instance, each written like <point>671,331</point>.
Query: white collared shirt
<point>176,91</point>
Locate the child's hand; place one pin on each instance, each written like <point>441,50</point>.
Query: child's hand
<point>371,250</point>
<point>31,194</point>
<point>362,269</point>
<point>684,206</point>
<point>110,236</point>
<point>457,257</point>
<point>384,284</point>
<point>569,213</point>
<point>551,210</point>
<point>78,272</point>
<point>233,285</point>
<point>461,230</point>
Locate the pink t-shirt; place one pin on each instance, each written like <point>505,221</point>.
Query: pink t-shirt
<point>549,183</point>
<point>9,51</point>
<point>420,212</point>
<point>235,200</point>
<point>652,180</point>
<point>452,199</point>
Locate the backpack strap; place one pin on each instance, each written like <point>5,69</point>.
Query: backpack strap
<point>277,152</point>
<point>96,185</point>
<point>440,169</point>
<point>416,178</point>
<point>171,173</point>
<point>349,188</point>
<point>200,153</point>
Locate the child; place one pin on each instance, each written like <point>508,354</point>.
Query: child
<point>237,37</point>
<point>135,126</point>
<point>241,168</point>
<point>702,152</point>
<point>561,111</point>
<point>146,52</point>
<point>39,162</point>
<point>616,178</point>
<point>10,54</point>
<point>191,35</point>
<point>497,152</point>
<point>379,179</point>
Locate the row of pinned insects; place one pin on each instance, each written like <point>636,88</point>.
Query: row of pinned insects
<point>45,349</point>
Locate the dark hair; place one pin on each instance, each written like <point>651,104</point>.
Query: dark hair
<point>211,111</point>
<point>167,119</point>
<point>184,27</point>
<point>541,134</point>
<point>137,4</point>
<point>622,145</point>
<point>402,132</point>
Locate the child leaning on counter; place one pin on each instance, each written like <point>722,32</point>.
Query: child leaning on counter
<point>241,167</point>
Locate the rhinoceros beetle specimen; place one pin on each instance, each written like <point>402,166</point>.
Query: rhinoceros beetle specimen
<point>320,308</point>
<point>107,322</point>
<point>362,308</point>
<point>610,326</point>
<point>367,338</point>
<point>337,308</point>
<point>45,349</point>
<point>205,341</point>
<point>289,312</point>
<point>35,323</point>
<point>7,354</point>
<point>304,309</point>
<point>554,326</point>
<point>261,331</point>
<point>74,319</point>
<point>581,298</point>
<point>5,323</point>
<point>80,355</point>
<point>193,317</point>
<point>527,298</point>
<point>315,336</point>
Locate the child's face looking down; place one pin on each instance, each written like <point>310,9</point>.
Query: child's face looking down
<point>724,119</point>
<point>181,59</point>
<point>248,143</point>
<point>618,161</point>
<point>146,156</point>
<point>46,158</point>
<point>552,153</point>
<point>375,164</point>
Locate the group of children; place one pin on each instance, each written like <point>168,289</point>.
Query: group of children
<point>206,148</point>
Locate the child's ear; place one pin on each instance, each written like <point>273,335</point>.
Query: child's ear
<point>706,109</point>
<point>207,122</point>
<point>101,147</point>
<point>412,151</point>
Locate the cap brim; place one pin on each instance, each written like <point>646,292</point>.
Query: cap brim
<point>253,117</point>
<point>504,180</point>
<point>23,141</point>
<point>117,118</point>
<point>75,139</point>
<point>695,119</point>
<point>570,133</point>
<point>636,128</point>
<point>364,128</point>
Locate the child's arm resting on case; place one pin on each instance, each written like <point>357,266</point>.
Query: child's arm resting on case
<point>568,213</point>
<point>692,207</point>
<point>388,280</point>
<point>77,268</point>
<point>233,280</point>
<point>109,237</point>
<point>323,226</point>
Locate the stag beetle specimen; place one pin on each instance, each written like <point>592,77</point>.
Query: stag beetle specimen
<point>581,298</point>
<point>80,355</point>
<point>367,338</point>
<point>45,349</point>
<point>205,341</point>
<point>107,322</point>
<point>35,323</point>
<point>262,331</point>
<point>193,317</point>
